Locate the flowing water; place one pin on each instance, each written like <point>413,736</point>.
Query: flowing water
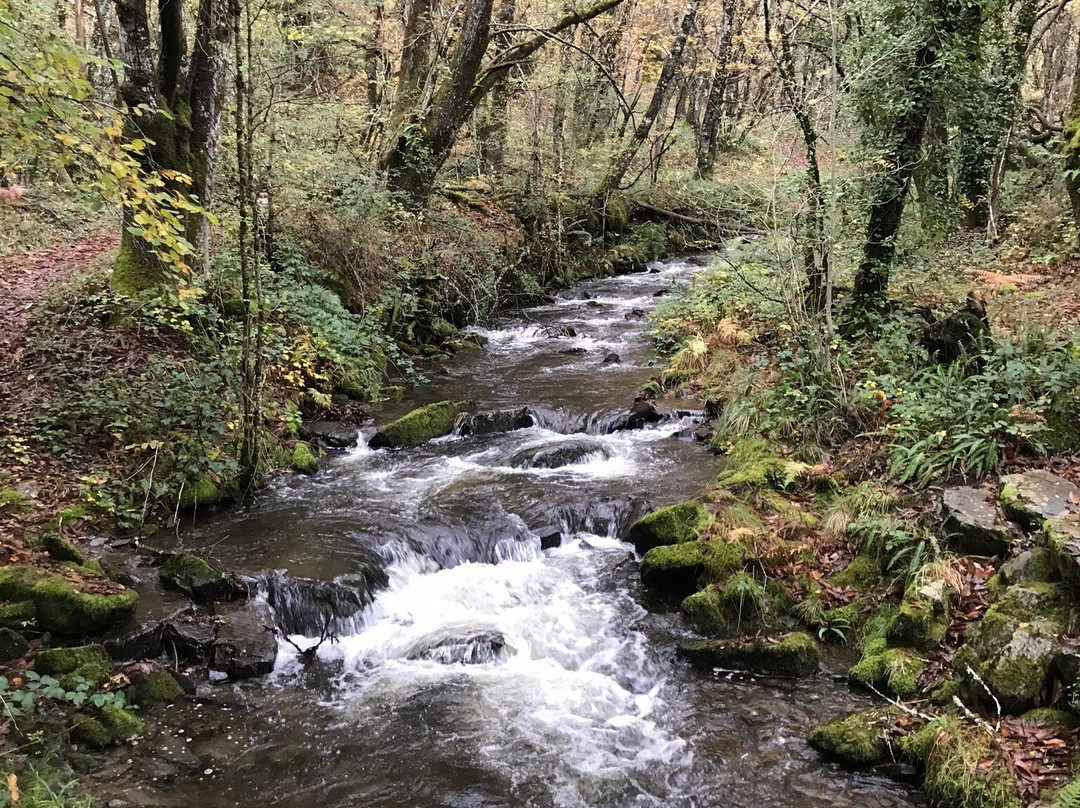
<point>484,670</point>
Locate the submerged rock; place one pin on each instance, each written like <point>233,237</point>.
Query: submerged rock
<point>420,425</point>
<point>306,606</point>
<point>790,656</point>
<point>972,520</point>
<point>244,645</point>
<point>330,434</point>
<point>489,423</point>
<point>672,524</point>
<point>474,649</point>
<point>641,415</point>
<point>612,359</point>
<point>1035,496</point>
<point>565,453</point>
<point>679,568</point>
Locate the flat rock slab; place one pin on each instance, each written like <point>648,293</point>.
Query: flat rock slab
<point>1035,496</point>
<point>971,517</point>
<point>245,646</point>
<point>330,434</point>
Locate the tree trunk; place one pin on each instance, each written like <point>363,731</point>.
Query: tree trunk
<point>1072,148</point>
<point>709,135</point>
<point>491,130</point>
<point>621,164</point>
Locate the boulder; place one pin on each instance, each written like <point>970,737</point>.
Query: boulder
<point>488,423</point>
<point>189,637</point>
<point>894,671</point>
<point>155,689</point>
<point>142,639</point>
<point>194,577</point>
<point>61,607</point>
<point>1062,539</point>
<point>330,434</point>
<point>244,645</point>
<point>104,727</point>
<point>306,606</point>
<point>568,452</point>
<point>857,739</point>
<point>679,568</point>
<point>90,662</point>
<point>726,611</point>
<point>611,359</point>
<point>672,524</point>
<point>641,414</point>
<point>1034,496</point>
<point>12,645</point>
<point>1035,565</point>
<point>971,519</point>
<point>922,621</point>
<point>791,656</point>
<point>303,459</point>
<point>1011,649</point>
<point>420,425</point>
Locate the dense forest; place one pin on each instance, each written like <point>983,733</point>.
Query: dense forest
<point>540,403</point>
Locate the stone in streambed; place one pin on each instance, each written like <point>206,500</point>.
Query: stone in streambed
<point>244,645</point>
<point>565,453</point>
<point>61,607</point>
<point>972,521</point>
<point>726,611</point>
<point>857,739</point>
<point>679,568</point>
<point>330,434</point>
<point>195,578</point>
<point>303,459</point>
<point>490,423</point>
<point>155,689</point>
<point>672,524</point>
<point>791,656</point>
<point>1035,496</point>
<point>420,425</point>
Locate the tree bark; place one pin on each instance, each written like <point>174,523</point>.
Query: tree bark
<point>709,135</point>
<point>1072,148</point>
<point>621,163</point>
<point>491,130</point>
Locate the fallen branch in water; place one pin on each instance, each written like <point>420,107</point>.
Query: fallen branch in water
<point>307,655</point>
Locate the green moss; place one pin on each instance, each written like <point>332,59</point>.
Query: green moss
<point>123,725</point>
<point>202,491</point>
<point>63,609</point>
<point>862,573</point>
<point>17,581</point>
<point>88,568</point>
<point>707,612</point>
<point>131,275</point>
<point>680,567</point>
<point>752,464</point>
<point>1061,537</point>
<point>88,731</point>
<point>12,500</point>
<point>673,524</point>
<point>90,662</point>
<point>194,577</point>
<point>793,655</point>
<point>857,739</point>
<point>61,549</point>
<point>18,615</point>
<point>420,425</point>
<point>155,689</point>
<point>1049,717</point>
<point>950,755</point>
<point>303,459</point>
<point>921,622</point>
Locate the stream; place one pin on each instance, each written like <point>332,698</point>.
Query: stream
<point>486,671</point>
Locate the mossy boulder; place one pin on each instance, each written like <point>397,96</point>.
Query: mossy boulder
<point>678,568</point>
<point>1037,565</point>
<point>951,755</point>
<point>1011,649</point>
<point>194,577</point>
<point>90,662</point>
<point>1034,496</point>
<point>739,606</point>
<point>303,459</point>
<point>198,492</point>
<point>104,727</point>
<point>1062,540</point>
<point>420,425</point>
<point>894,671</point>
<point>19,615</point>
<point>922,621</point>
<point>753,465</point>
<point>673,524</point>
<point>64,609</point>
<point>862,573</point>
<point>791,656</point>
<point>972,522</point>
<point>12,645</point>
<point>155,689</point>
<point>1049,717</point>
<point>61,549</point>
<point>857,739</point>
<point>17,582</point>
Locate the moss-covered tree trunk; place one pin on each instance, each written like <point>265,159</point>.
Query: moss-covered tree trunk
<point>174,101</point>
<point>1072,150</point>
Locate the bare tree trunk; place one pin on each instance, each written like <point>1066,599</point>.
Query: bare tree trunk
<point>709,135</point>
<point>621,164</point>
<point>491,130</point>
